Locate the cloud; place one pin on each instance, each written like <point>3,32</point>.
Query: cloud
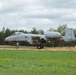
<point>59,3</point>
<point>42,14</point>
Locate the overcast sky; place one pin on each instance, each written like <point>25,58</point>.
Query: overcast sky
<point>41,14</point>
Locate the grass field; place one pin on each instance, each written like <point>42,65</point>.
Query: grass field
<point>31,62</point>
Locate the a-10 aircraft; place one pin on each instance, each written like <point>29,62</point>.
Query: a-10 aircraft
<point>39,40</point>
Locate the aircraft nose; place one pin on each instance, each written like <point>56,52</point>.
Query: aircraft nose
<point>6,39</point>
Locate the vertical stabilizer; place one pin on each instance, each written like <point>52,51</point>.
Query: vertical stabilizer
<point>69,35</point>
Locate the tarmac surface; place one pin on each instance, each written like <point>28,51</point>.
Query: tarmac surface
<point>7,47</point>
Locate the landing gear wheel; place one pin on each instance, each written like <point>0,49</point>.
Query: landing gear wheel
<point>40,46</point>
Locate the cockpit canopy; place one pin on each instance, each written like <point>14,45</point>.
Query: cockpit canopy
<point>17,33</point>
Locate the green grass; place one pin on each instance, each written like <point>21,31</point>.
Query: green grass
<point>19,62</point>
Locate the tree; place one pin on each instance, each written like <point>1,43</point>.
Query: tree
<point>40,31</point>
<point>34,31</point>
<point>52,29</point>
<point>61,29</point>
<point>75,32</point>
<point>3,30</point>
<point>2,35</point>
<point>7,32</point>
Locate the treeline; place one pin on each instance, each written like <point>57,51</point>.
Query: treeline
<point>61,28</point>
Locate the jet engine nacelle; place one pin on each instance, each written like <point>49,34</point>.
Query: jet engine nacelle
<point>50,35</point>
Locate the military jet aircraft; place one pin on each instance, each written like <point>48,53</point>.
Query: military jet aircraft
<point>39,40</point>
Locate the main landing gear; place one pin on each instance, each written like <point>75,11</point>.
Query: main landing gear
<point>40,46</point>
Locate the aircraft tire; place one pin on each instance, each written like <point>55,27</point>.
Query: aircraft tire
<point>40,46</point>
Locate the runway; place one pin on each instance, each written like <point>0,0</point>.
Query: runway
<point>7,47</point>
